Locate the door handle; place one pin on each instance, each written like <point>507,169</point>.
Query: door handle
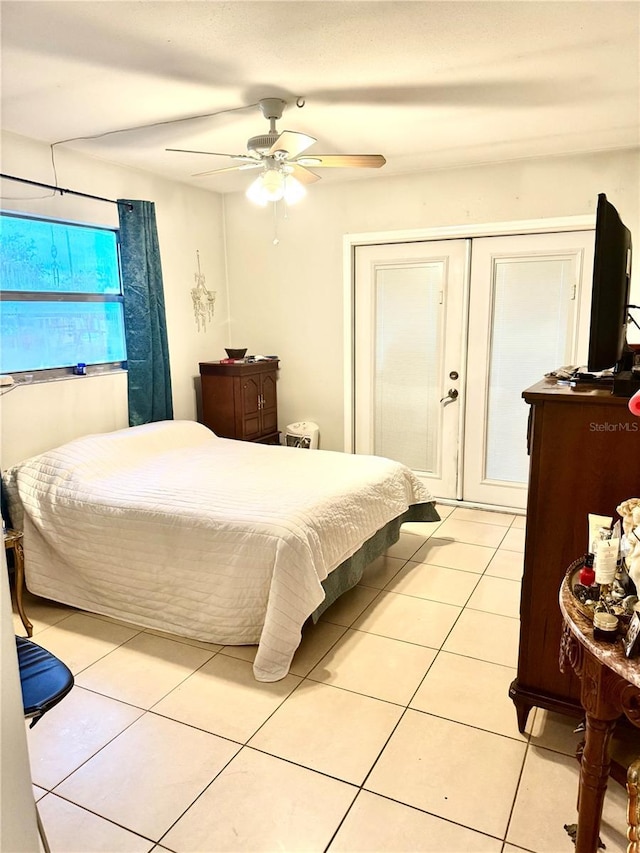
<point>452,394</point>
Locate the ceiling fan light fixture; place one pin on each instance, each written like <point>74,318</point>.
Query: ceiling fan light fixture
<point>269,186</point>
<point>293,190</point>
<point>275,185</point>
<point>255,194</point>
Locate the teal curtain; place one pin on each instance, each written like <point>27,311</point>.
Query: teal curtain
<point>149,375</point>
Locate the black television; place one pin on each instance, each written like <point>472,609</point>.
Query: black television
<point>610,292</point>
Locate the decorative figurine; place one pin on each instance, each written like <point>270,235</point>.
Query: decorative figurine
<point>629,511</point>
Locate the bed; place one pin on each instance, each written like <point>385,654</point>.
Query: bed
<point>170,527</point>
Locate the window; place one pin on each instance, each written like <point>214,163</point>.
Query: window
<point>60,296</point>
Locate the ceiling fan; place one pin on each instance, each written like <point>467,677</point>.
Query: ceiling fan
<point>281,158</point>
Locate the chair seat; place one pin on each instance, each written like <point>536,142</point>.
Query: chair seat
<point>44,679</point>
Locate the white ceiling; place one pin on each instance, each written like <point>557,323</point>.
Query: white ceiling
<point>427,84</point>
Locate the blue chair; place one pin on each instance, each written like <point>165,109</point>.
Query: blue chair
<point>45,680</point>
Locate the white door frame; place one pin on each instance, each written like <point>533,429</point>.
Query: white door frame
<point>490,229</point>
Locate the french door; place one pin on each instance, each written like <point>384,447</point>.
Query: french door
<point>410,303</point>
<point>448,334</point>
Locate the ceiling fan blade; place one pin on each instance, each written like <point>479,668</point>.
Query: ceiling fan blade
<point>303,175</point>
<point>292,142</point>
<point>246,157</point>
<point>352,161</point>
<point>228,169</point>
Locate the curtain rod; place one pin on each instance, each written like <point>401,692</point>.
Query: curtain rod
<point>63,191</point>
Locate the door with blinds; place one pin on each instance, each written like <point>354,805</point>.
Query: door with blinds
<point>530,298</point>
<point>448,334</point>
<point>409,305</point>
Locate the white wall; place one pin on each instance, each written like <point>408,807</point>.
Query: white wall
<point>288,299</point>
<point>40,416</point>
<point>18,828</point>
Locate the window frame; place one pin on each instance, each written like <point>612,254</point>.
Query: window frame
<point>62,296</point>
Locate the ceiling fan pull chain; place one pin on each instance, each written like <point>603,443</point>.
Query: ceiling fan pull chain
<point>275,223</point>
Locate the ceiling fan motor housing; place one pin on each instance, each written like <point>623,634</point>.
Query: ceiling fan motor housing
<point>261,144</point>
<point>272,108</point>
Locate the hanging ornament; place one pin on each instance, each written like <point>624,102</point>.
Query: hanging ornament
<point>203,300</point>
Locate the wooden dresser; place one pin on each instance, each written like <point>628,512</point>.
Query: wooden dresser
<point>584,446</point>
<point>239,400</point>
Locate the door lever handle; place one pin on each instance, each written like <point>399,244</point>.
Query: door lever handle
<point>452,395</point>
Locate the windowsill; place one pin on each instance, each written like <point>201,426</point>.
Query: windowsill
<point>40,379</point>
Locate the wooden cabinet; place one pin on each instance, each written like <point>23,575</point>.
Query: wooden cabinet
<point>584,446</point>
<point>239,400</point>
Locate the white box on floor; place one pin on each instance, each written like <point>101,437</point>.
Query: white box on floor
<point>304,434</point>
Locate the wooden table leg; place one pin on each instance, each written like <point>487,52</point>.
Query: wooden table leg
<point>633,807</point>
<point>19,570</point>
<point>594,773</point>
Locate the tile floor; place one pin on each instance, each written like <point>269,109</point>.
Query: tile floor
<point>392,732</point>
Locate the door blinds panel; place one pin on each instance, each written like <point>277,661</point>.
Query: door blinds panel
<point>531,330</point>
<point>407,363</point>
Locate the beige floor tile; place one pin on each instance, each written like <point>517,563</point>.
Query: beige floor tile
<point>375,823</point>
<point>115,621</point>
<point>454,555</point>
<point>469,691</point>
<point>485,636</point>
<point>41,612</point>
<point>247,653</point>
<point>330,730</point>
<point>72,829</point>
<point>72,732</point>
<point>506,564</point>
<point>555,731</point>
<point>483,516</point>
<point>199,644</point>
<point>375,666</point>
<point>143,670</point>
<point>80,640</point>
<point>149,775</point>
<point>349,606</point>
<point>472,532</point>
<point>408,543</point>
<point>437,583</point>
<point>381,571</point>
<point>374,651</point>
<point>427,761</point>
<point>316,641</point>
<point>496,595</point>
<point>613,828</point>
<point>404,617</point>
<point>261,803</point>
<point>546,801</point>
<point>421,528</point>
<point>444,510</point>
<point>224,698</point>
<point>514,540</point>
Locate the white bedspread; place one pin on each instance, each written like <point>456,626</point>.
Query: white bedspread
<point>170,527</point>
